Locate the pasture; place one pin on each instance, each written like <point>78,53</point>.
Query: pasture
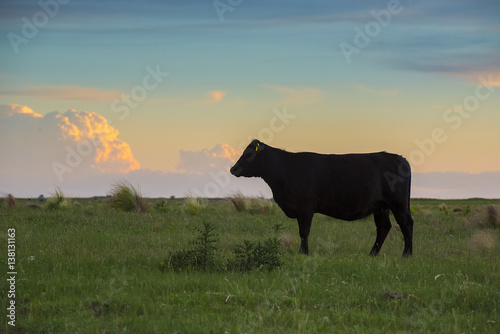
<point>88,268</point>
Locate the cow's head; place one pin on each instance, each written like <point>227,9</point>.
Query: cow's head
<point>250,163</point>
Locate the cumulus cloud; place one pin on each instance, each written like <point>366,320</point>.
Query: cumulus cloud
<point>203,161</point>
<point>213,97</point>
<point>59,146</point>
<point>65,93</point>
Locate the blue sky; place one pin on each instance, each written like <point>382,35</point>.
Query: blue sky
<point>226,76</point>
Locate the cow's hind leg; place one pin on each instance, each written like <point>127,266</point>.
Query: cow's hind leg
<point>405,222</point>
<point>383,224</point>
<point>304,221</point>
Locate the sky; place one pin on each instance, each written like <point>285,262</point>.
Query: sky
<point>166,94</point>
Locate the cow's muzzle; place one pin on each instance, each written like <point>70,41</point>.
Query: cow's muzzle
<point>236,170</point>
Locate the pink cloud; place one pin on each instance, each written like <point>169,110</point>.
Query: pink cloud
<point>219,158</point>
<point>213,97</point>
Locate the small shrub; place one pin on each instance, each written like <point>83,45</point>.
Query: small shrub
<point>179,260</point>
<point>11,201</point>
<point>204,247</point>
<point>127,198</point>
<point>161,204</point>
<point>250,255</point>
<point>194,205</point>
<point>203,254</point>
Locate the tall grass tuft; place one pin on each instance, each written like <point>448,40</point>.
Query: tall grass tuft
<point>58,201</point>
<point>486,218</point>
<point>126,197</point>
<point>482,242</point>
<point>194,205</point>
<point>240,202</point>
<point>10,201</point>
<point>252,205</point>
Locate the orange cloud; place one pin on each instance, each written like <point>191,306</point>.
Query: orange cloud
<point>487,79</point>
<point>66,93</point>
<point>111,153</point>
<point>213,97</point>
<point>8,110</point>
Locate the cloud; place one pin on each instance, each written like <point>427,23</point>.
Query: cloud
<point>485,78</point>
<point>302,95</point>
<point>219,158</point>
<point>367,89</point>
<point>213,97</point>
<point>65,93</point>
<point>9,110</point>
<point>59,146</point>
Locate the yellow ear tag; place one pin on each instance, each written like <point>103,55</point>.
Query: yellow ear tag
<point>257,148</point>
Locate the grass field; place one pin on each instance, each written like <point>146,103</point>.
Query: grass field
<point>88,268</point>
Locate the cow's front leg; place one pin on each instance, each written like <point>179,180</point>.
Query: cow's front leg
<point>304,228</point>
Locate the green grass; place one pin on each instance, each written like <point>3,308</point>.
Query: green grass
<point>93,269</point>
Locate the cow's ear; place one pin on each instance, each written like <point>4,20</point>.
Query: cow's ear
<point>259,147</point>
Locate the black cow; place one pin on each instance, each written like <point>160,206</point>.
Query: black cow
<point>347,187</point>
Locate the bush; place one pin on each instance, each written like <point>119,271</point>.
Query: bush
<point>127,198</point>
